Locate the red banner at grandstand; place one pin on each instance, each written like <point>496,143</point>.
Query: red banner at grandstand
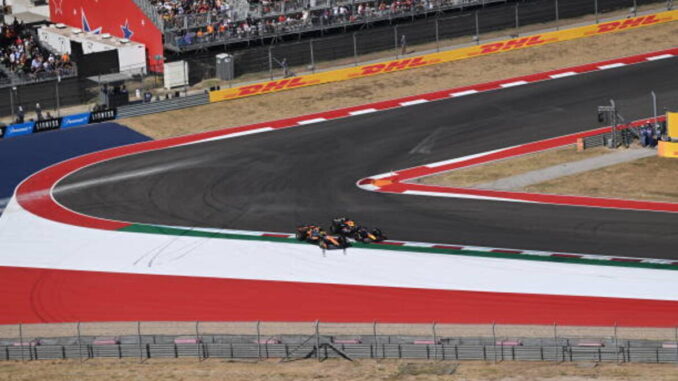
<point>120,18</point>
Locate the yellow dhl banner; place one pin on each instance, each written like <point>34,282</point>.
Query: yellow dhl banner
<point>447,56</point>
<point>672,125</point>
<point>667,149</point>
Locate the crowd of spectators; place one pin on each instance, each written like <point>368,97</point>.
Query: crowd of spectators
<point>21,53</point>
<point>649,134</point>
<point>210,20</point>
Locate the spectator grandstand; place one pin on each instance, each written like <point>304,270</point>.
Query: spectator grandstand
<point>200,22</point>
<point>22,57</point>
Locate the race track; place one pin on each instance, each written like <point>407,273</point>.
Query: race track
<point>276,180</point>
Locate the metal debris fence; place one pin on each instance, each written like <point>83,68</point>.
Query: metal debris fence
<point>320,340</point>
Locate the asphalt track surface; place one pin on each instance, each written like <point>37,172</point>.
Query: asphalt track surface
<point>276,180</point>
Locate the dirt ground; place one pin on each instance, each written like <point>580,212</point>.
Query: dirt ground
<point>393,85</point>
<point>653,178</point>
<point>605,182</point>
<point>331,370</point>
<point>484,173</point>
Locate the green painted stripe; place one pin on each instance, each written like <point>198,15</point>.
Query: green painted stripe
<point>150,229</point>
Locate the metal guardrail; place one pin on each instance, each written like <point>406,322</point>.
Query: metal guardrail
<point>27,79</point>
<point>151,12</point>
<point>163,105</point>
<point>288,341</point>
<point>330,347</point>
<point>598,140</point>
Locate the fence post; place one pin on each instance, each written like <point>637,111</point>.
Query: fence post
<point>395,40</point>
<point>79,342</point>
<point>437,36</point>
<point>197,340</point>
<point>477,29</point>
<point>376,339</point>
<point>669,5</point>
<point>555,342</point>
<point>270,62</point>
<point>11,99</point>
<point>654,106</point>
<point>21,340</point>
<point>635,8</point>
<point>557,16</point>
<point>616,343</point>
<point>355,49</point>
<point>494,341</point>
<point>259,340</point>
<point>58,106</point>
<point>310,43</point>
<point>317,339</point>
<point>628,351</point>
<point>517,21</point>
<point>595,10</point>
<point>141,346</point>
<point>435,342</point>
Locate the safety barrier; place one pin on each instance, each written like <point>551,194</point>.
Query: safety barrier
<point>380,347</point>
<point>102,116</point>
<point>599,140</point>
<point>32,127</point>
<point>176,103</point>
<point>287,340</point>
<point>667,149</point>
<point>442,57</point>
<point>81,119</point>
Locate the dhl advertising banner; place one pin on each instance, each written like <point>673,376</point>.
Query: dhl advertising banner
<point>441,57</point>
<point>667,149</point>
<point>672,125</point>
<point>670,149</point>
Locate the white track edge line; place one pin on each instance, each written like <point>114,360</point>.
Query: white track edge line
<point>513,84</point>
<point>611,66</point>
<point>659,57</point>
<point>361,112</point>
<point>311,121</point>
<point>462,93</point>
<point>414,102</point>
<point>563,75</point>
<point>228,136</point>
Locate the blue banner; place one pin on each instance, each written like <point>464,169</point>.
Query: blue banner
<point>75,120</point>
<point>19,129</point>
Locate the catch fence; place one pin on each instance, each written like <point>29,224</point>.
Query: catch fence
<point>277,55</point>
<point>318,340</point>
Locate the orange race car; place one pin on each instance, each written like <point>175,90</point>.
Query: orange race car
<point>316,235</point>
